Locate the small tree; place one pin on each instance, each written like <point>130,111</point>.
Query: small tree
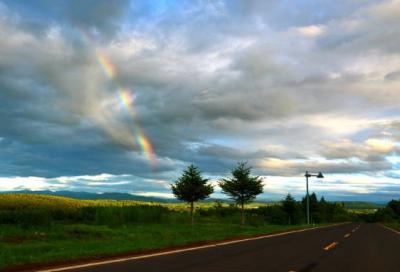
<point>289,205</point>
<point>191,187</point>
<point>242,188</point>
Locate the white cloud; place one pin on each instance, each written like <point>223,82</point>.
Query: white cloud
<point>101,177</point>
<point>155,194</point>
<point>380,145</point>
<point>25,183</point>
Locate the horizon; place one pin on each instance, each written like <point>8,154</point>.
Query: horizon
<point>121,96</point>
<point>213,197</point>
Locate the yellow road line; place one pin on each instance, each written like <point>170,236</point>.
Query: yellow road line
<point>330,246</point>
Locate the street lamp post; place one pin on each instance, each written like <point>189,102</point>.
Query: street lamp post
<point>307,175</point>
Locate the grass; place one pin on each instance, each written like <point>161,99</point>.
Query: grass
<point>70,242</point>
<point>395,226</point>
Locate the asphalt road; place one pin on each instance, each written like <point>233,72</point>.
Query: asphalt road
<point>350,247</point>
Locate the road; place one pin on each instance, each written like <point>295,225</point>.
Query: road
<point>349,247</point>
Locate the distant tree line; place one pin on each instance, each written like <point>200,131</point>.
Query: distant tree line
<point>286,212</point>
<point>389,214</point>
<point>294,212</point>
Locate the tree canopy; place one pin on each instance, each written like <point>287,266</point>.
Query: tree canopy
<point>191,187</point>
<point>242,187</point>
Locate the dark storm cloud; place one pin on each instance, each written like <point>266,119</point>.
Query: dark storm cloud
<point>100,16</point>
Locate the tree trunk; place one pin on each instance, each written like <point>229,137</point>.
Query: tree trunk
<point>242,214</point>
<point>191,213</point>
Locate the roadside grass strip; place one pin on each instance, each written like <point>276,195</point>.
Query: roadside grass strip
<point>391,229</point>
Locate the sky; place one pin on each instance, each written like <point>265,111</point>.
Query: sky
<point>121,96</point>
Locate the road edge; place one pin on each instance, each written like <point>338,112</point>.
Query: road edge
<point>185,249</point>
<point>389,228</point>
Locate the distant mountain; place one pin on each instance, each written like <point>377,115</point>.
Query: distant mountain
<point>94,196</point>
<point>357,205</point>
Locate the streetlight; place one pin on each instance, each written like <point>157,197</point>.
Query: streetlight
<point>307,175</point>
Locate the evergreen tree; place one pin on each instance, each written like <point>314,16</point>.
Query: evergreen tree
<point>191,187</point>
<point>242,188</point>
<point>289,206</point>
<point>395,206</point>
<point>313,204</point>
<point>322,210</point>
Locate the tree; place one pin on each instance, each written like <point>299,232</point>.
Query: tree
<point>191,187</point>
<point>395,206</point>
<point>289,206</point>
<point>242,188</point>
<point>323,208</point>
<point>313,204</point>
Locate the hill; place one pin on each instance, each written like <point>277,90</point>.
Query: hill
<point>361,205</point>
<point>94,196</point>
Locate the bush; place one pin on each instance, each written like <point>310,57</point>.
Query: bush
<point>273,214</point>
<point>33,217</point>
<point>130,214</point>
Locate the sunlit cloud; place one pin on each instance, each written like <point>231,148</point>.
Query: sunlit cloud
<point>380,145</point>
<point>310,31</point>
<point>25,183</point>
<point>275,163</point>
<point>155,194</point>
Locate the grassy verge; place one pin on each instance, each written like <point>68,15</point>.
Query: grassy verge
<point>395,226</point>
<point>70,242</point>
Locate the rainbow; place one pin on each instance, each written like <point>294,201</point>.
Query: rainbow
<point>145,145</point>
<point>126,99</point>
<point>106,64</point>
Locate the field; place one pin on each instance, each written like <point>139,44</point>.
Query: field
<point>41,229</point>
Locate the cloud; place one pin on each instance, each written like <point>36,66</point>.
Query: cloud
<point>89,183</point>
<point>393,76</point>
<point>285,93</point>
<point>371,150</point>
<point>101,17</point>
<point>310,31</point>
<point>278,167</point>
